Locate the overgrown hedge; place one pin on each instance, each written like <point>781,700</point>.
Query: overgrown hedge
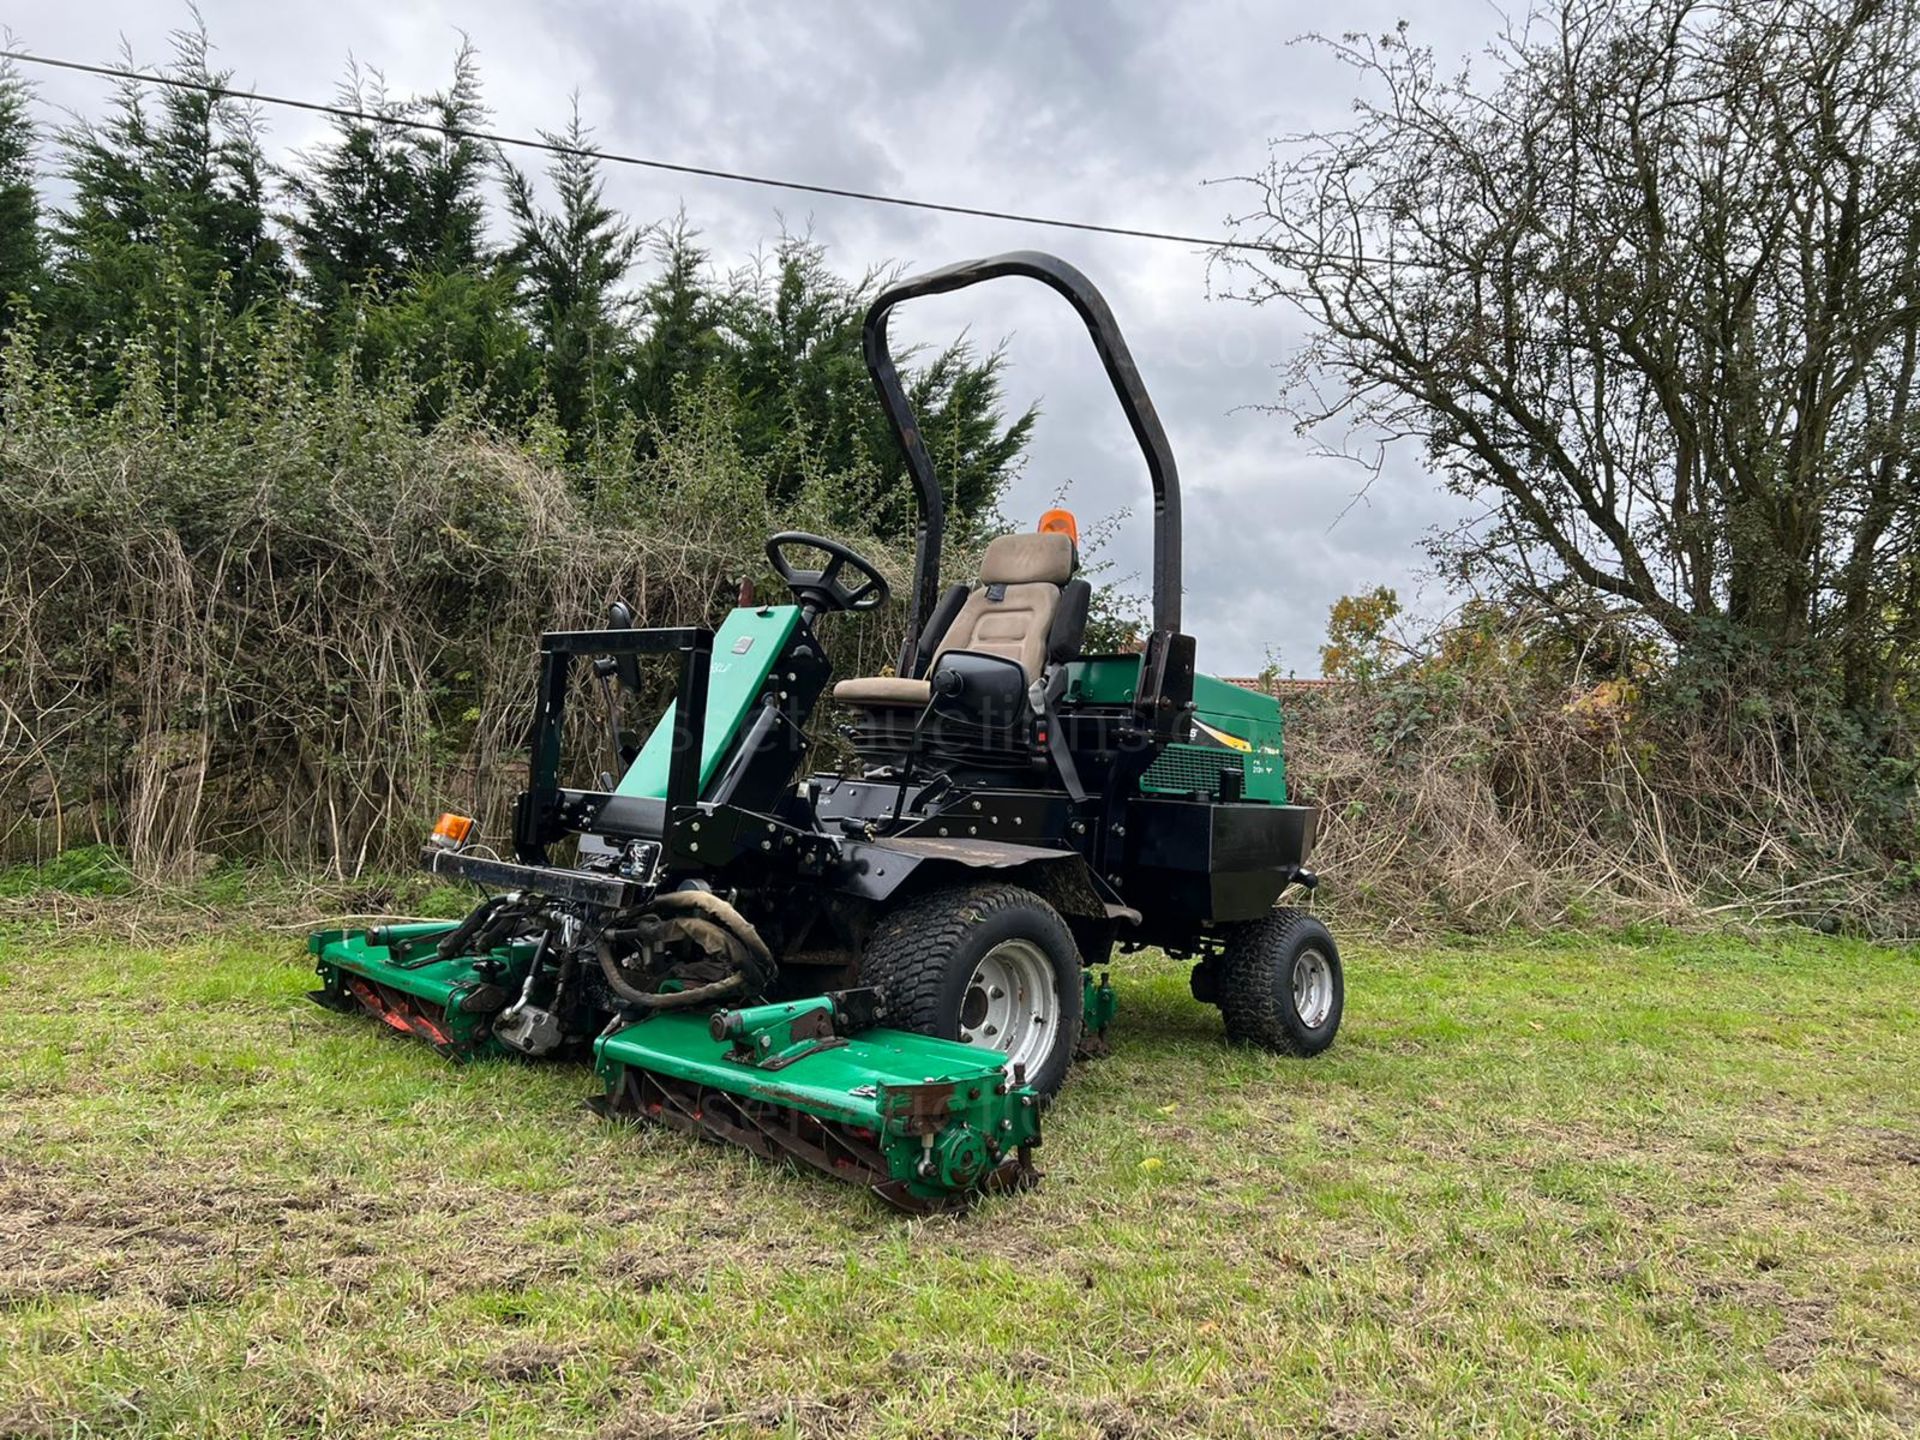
<point>1500,777</point>
<point>296,626</point>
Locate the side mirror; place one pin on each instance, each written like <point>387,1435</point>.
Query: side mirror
<point>627,667</point>
<point>988,690</point>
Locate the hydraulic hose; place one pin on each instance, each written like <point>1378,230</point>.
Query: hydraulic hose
<point>456,940</point>
<point>710,905</point>
<point>658,1000</point>
<point>749,951</point>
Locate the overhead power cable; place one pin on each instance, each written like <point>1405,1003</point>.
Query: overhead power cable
<point>613,157</point>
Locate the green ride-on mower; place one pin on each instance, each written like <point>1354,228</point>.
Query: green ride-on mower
<point>884,975</point>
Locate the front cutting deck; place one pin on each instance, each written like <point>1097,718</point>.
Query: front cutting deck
<point>926,1124</point>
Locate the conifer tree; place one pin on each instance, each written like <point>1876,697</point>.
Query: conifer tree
<point>22,254</point>
<point>679,321</point>
<point>388,224</point>
<point>383,202</point>
<point>794,332</point>
<point>569,263</point>
<point>164,248</point>
<point>445,221</point>
<point>353,197</point>
<point>167,221</point>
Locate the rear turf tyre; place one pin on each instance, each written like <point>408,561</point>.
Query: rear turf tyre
<point>990,965</point>
<point>1281,985</point>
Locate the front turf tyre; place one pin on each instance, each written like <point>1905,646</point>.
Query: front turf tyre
<point>1280,984</point>
<point>989,965</point>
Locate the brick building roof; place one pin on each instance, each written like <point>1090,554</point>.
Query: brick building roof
<point>1279,684</point>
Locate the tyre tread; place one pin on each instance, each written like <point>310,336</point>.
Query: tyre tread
<point>1249,1002</point>
<point>905,957</point>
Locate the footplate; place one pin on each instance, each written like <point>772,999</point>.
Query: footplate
<point>928,1125</point>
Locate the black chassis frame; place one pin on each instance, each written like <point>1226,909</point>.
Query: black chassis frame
<point>545,812</point>
<point>753,816</point>
<point>1169,869</point>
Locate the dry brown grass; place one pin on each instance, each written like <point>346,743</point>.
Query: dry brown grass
<point>1496,797</point>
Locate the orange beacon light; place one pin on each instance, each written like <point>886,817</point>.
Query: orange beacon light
<point>1061,522</point>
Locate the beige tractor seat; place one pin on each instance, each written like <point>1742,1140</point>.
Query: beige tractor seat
<point>1010,613</point>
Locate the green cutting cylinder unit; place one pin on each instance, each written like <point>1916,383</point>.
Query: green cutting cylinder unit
<point>397,973</point>
<point>925,1123</point>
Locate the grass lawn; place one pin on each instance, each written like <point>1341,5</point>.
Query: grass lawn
<point>1570,1186</point>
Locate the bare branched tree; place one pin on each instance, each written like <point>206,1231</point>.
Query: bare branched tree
<point>1651,289</point>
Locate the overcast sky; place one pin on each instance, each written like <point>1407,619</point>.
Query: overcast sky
<point>1115,113</point>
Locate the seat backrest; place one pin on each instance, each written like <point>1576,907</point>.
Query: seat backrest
<point>1011,611</point>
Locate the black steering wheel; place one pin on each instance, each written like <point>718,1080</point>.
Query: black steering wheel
<point>822,589</point>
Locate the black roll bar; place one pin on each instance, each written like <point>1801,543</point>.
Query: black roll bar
<point>1079,291</point>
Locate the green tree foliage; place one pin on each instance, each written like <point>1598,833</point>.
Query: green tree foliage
<point>383,201</point>
<point>167,213</point>
<point>1361,640</point>
<point>570,329</point>
<point>352,198</point>
<point>450,170</point>
<point>457,338</point>
<point>679,321</point>
<point>793,349</point>
<point>22,250</point>
<point>388,225</point>
<point>569,263</point>
<point>783,334</point>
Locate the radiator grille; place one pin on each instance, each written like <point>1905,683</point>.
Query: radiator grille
<point>1187,769</point>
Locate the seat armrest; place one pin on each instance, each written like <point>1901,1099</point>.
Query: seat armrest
<point>1068,632</point>
<point>938,623</point>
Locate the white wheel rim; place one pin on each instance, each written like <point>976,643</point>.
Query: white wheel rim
<point>1312,988</point>
<point>1012,1004</point>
